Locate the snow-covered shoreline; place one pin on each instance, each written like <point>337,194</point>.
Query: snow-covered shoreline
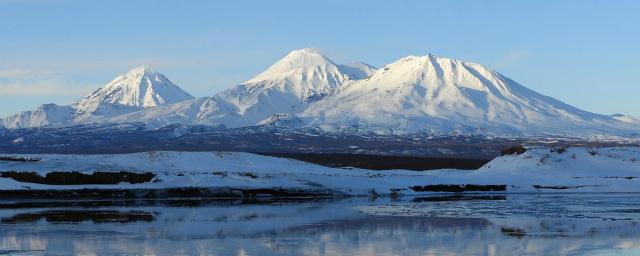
<point>538,170</point>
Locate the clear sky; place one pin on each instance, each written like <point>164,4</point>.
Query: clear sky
<point>585,53</point>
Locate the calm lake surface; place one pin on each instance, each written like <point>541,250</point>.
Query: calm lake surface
<point>593,224</point>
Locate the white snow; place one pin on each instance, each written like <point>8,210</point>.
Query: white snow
<point>425,94</point>
<point>286,88</point>
<point>358,70</point>
<point>140,87</point>
<point>46,114</point>
<point>578,169</point>
<point>554,171</point>
<point>627,119</point>
<point>444,96</point>
<point>135,90</point>
<point>416,94</point>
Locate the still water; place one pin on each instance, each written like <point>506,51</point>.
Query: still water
<point>594,224</point>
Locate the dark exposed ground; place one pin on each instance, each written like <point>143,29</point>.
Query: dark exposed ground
<point>459,197</point>
<point>18,159</point>
<point>378,162</point>
<point>77,216</point>
<point>77,178</point>
<point>186,192</point>
<point>165,202</point>
<point>459,188</point>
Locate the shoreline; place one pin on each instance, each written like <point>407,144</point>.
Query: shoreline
<point>164,174</point>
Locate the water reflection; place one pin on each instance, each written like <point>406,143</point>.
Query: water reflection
<point>476,225</point>
<point>77,216</point>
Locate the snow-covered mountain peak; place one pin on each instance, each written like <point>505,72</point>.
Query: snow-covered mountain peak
<point>416,94</point>
<point>288,86</point>
<point>141,71</point>
<point>438,73</point>
<point>299,61</point>
<point>132,91</point>
<point>137,76</point>
<point>305,57</point>
<point>302,76</point>
<point>140,87</point>
<point>435,94</point>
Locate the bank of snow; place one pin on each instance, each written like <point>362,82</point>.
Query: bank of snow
<point>558,169</point>
<point>538,170</point>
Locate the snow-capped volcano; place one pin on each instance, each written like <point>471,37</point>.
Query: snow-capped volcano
<point>140,87</point>
<point>305,89</point>
<point>443,96</point>
<point>287,87</point>
<point>129,92</point>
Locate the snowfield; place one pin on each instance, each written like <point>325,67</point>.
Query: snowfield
<point>538,170</point>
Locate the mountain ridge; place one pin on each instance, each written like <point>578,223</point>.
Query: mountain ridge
<point>140,87</point>
<point>286,87</point>
<point>305,89</point>
<point>429,93</point>
<point>132,91</point>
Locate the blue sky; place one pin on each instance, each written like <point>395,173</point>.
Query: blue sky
<point>582,52</point>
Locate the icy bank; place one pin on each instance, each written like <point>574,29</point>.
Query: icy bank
<point>538,170</point>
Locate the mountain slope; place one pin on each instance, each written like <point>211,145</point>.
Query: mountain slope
<point>358,70</point>
<point>133,91</point>
<point>46,114</point>
<point>287,87</point>
<point>305,89</point>
<point>199,111</point>
<point>446,96</point>
<point>627,119</point>
<point>139,88</point>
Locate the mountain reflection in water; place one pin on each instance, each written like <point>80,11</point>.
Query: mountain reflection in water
<point>449,225</point>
